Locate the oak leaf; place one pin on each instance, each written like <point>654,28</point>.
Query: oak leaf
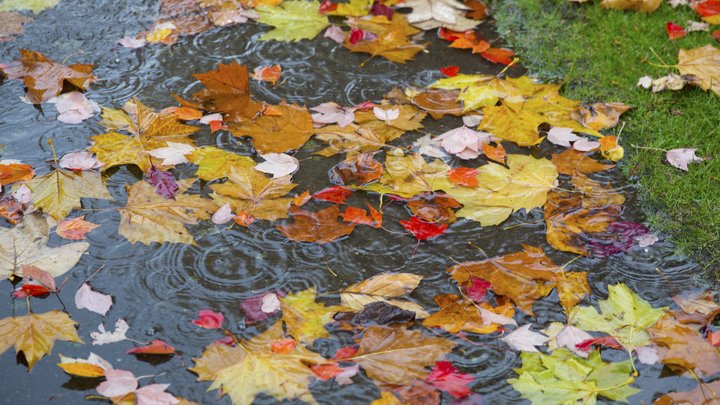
<point>35,334</point>
<point>45,78</point>
<point>148,217</point>
<point>305,319</point>
<point>319,227</point>
<point>251,368</point>
<point>704,63</point>
<point>255,194</point>
<point>289,129</point>
<point>524,277</point>
<point>148,131</point>
<point>25,244</point>
<point>293,20</point>
<point>398,355</point>
<point>386,287</point>
<point>60,191</point>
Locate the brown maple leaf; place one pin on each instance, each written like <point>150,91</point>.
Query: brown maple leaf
<point>359,169</point>
<point>288,128</point>
<point>45,78</point>
<point>457,313</point>
<point>571,161</point>
<point>320,227</point>
<point>682,346</point>
<point>438,102</point>
<point>436,207</point>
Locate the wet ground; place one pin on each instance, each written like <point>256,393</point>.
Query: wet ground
<point>158,289</point>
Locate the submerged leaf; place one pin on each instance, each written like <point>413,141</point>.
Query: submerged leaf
<point>319,227</point>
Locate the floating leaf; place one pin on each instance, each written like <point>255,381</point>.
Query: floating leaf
<point>457,314</point>
<point>227,91</point>
<point>93,367</point>
<point>386,287</point>
<point>255,194</point>
<point>431,14</point>
<point>60,191</point>
<point>214,163</point>
<point>293,20</point>
<point>319,227</point>
<point>305,318</point>
<point>289,129</point>
<point>35,334</point>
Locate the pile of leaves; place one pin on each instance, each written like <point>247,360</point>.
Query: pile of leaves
<point>462,175</point>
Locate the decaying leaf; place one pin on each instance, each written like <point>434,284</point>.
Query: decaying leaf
<point>255,194</point>
<point>25,244</point>
<point>35,334</point>
<point>45,78</point>
<point>524,277</point>
<point>703,394</point>
<point>319,227</point>
<point>386,287</point>
<point>148,217</point>
<point>682,346</point>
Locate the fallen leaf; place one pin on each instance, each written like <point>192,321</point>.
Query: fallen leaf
<point>44,78</point>
<point>435,208</point>
<point>223,215</point>
<point>570,161</point>
<point>382,313</point>
<point>562,136</point>
<point>682,346</point>
<point>445,376</point>
<point>25,244</point>
<point>208,319</point>
<point>12,25</point>
<point>333,194</point>
<point>60,191</point>
<point>703,63</point>
<point>385,287</point>
<point>398,355</point>
<point>148,217</point>
<point>332,113</point>
<point>14,172</point>
<point>293,20</point>
<point>408,175</point>
<point>502,56</point>
<point>431,14</point>
<point>567,378</point>
<point>269,74</point>
<point>450,71</point>
<point>93,367</point>
<point>681,157</point>
<point>523,277</point>
<point>304,317</point>
<point>36,6</point>
<point>359,169</point>
<point>103,337</point>
<point>422,230</point>
<point>318,227</point>
<point>227,91</point>
<point>255,194</point>
<point>155,347</point>
<point>495,152</point>
<point>709,11</point>
<point>458,314</point>
<point>277,164</point>
<point>675,31</point>
<point>214,163</point>
<point>524,339</point>
<point>566,337</point>
<point>93,301</point>
<point>464,142</point>
<point>288,130</point>
<point>35,334</point>
<point>600,115</point>
<point>438,102</point>
<point>623,315</point>
<point>647,6</point>
<point>74,107</point>
<point>704,394</point>
<point>79,161</point>
<point>118,383</point>
<point>148,131</point>
<point>391,42</point>
<point>173,154</point>
<point>464,176</point>
<point>40,276</point>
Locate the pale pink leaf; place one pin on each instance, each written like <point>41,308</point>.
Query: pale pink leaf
<point>562,136</point>
<point>429,147</point>
<point>42,277</point>
<point>223,215</point>
<point>472,120</point>
<point>117,383</point>
<point>464,142</point>
<point>23,195</point>
<point>154,394</point>
<point>569,337</point>
<point>585,145</point>
<point>332,113</point>
<point>335,33</point>
<point>93,301</point>
<point>345,377</point>
<point>490,317</point>
<point>647,354</point>
<point>207,119</point>
<point>132,43</point>
<point>270,303</point>
<point>74,107</point>
<point>682,156</point>
<point>646,239</point>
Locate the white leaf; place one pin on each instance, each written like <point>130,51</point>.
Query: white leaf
<point>464,142</point>
<point>646,240</point>
<point>489,317</point>
<point>345,377</point>
<point>102,337</point>
<point>429,147</point>
<point>331,113</point>
<point>270,303</point>
<point>585,145</point>
<point>645,82</point>
<point>173,154</point>
<point>207,119</point>
<point>93,359</point>
<point>647,354</point>
<point>562,136</point>
<point>117,383</point>
<point>472,120</point>
<point>94,301</point>
<point>82,160</point>
<point>277,164</point>
<point>223,215</point>
<point>697,26</point>
<point>386,115</point>
<point>524,339</point>
<point>431,14</point>
<point>681,157</point>
<point>569,337</point>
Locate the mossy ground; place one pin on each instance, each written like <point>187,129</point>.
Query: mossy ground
<point>601,54</point>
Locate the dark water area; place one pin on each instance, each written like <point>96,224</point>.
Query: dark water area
<point>159,289</point>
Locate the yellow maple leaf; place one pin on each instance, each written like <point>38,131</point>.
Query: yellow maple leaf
<point>408,175</point>
<point>289,129</point>
<point>149,217</point>
<point>148,130</point>
<point>214,163</point>
<point>252,367</point>
<point>251,192</point>
<point>392,40</point>
<point>353,8</point>
<point>704,63</point>
<point>35,334</point>
<point>305,318</point>
<point>60,191</point>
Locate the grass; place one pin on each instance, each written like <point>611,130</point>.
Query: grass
<point>602,53</point>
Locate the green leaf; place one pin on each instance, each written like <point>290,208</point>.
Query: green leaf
<point>624,316</point>
<point>563,378</point>
<point>35,6</point>
<point>293,20</point>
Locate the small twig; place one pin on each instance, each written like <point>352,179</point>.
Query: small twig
<point>93,275</point>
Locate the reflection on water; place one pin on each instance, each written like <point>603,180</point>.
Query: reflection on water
<point>159,288</point>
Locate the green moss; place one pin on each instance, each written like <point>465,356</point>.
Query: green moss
<point>602,54</point>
